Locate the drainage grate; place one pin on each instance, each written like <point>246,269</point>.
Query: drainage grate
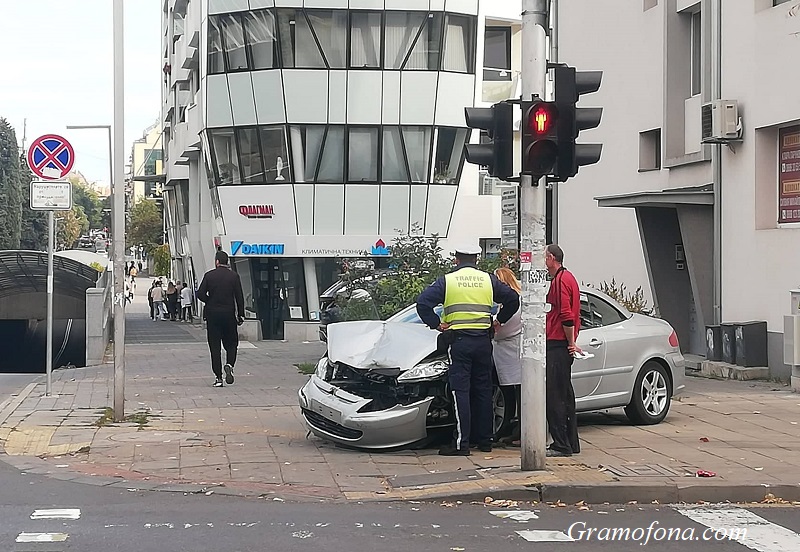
<point>645,470</point>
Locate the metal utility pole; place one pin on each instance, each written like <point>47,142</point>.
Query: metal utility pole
<point>50,247</point>
<point>554,59</point>
<point>118,218</point>
<point>532,240</point>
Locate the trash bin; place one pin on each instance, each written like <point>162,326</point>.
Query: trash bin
<point>751,344</point>
<point>728,343</point>
<point>714,343</point>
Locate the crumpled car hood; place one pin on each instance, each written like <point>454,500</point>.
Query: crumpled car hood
<point>375,344</point>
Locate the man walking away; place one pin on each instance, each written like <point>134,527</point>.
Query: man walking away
<point>150,300</point>
<point>563,323</point>
<point>221,291</point>
<point>157,293</point>
<point>186,304</point>
<point>468,295</point>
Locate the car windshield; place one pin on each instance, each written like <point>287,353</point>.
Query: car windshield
<point>409,315</point>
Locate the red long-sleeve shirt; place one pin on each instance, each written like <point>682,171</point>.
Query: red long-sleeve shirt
<point>564,298</point>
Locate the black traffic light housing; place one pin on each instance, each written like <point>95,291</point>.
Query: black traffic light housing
<point>540,124</point>
<point>569,86</point>
<point>498,154</point>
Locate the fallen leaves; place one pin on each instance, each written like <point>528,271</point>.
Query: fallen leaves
<point>500,503</point>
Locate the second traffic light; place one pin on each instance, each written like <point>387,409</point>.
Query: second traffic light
<point>498,154</point>
<point>539,137</point>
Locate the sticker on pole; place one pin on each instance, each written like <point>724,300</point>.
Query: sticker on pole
<point>51,196</point>
<point>51,157</point>
<point>525,259</point>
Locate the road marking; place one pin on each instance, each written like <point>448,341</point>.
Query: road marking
<point>42,537</point>
<point>757,533</point>
<point>516,515</point>
<point>64,513</point>
<point>545,536</point>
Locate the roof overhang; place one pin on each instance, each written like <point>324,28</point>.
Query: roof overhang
<point>150,178</point>
<point>26,272</point>
<point>671,197</point>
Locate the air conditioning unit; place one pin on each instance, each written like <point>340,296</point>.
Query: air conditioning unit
<point>720,121</point>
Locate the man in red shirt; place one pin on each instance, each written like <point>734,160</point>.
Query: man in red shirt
<point>563,323</point>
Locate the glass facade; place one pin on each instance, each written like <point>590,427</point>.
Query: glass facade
<point>296,38</point>
<point>365,154</point>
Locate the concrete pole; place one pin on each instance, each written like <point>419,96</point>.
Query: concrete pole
<point>532,242</point>
<point>50,247</point>
<point>118,224</point>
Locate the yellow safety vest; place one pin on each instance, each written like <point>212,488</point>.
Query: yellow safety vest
<point>468,300</point>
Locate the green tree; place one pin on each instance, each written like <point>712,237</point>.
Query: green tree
<point>86,197</point>
<point>70,225</point>
<point>10,194</point>
<point>145,225</point>
<point>161,260</point>
<point>34,223</point>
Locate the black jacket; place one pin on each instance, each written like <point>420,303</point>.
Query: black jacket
<point>221,291</point>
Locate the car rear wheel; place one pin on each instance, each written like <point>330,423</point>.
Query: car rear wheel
<point>502,410</point>
<point>652,394</point>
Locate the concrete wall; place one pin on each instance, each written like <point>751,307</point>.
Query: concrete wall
<point>98,320</point>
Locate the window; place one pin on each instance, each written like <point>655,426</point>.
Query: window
<point>320,153</point>
<point>394,162</point>
<point>596,312</point>
<point>298,45</point>
<point>262,44</point>
<point>363,154</point>
<point>418,149</point>
<point>650,150</point>
<point>459,44</point>
<point>226,157</point>
<point>365,40</point>
<point>331,166</point>
<point>449,153</point>
<point>497,54</point>
<point>233,41</point>
<point>216,62</point>
<point>412,40</point>
<point>152,157</point>
<point>330,28</point>
<point>697,53</point>
<point>275,154</point>
<point>250,152</point>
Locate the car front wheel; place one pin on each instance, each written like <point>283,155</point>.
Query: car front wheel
<point>652,394</point>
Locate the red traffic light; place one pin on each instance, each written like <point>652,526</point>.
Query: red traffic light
<point>542,118</point>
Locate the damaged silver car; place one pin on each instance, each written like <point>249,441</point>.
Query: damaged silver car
<point>383,385</point>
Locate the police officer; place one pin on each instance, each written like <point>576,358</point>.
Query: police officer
<point>468,295</point>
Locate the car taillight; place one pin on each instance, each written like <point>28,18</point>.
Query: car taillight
<point>673,340</point>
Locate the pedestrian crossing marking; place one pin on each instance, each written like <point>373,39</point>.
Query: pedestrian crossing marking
<point>545,536</point>
<point>42,537</point>
<point>63,513</point>
<point>756,532</point>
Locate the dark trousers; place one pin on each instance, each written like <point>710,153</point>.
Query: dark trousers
<point>561,418</point>
<point>222,332</point>
<point>152,309</point>
<point>470,377</point>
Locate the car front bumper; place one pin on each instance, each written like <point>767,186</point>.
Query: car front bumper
<point>333,414</point>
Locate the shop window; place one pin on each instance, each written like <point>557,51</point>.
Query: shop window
<point>330,30</point>
<point>417,141</point>
<point>262,44</point>
<point>250,154</point>
<point>365,40</point>
<point>298,46</point>
<point>226,157</point>
<point>459,44</point>
<point>449,154</point>
<point>497,54</point>
<point>394,163</point>
<point>363,154</point>
<point>233,41</point>
<point>275,154</point>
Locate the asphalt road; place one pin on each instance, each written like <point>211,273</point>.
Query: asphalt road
<point>110,520</point>
<point>14,383</point>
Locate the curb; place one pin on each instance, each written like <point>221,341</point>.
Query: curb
<point>13,403</point>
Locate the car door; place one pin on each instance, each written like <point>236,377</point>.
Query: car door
<point>587,374</point>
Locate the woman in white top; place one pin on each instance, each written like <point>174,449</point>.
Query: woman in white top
<point>506,351</point>
<point>186,304</point>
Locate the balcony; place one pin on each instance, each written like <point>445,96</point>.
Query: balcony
<point>192,25</point>
<point>194,120</point>
<point>180,72</point>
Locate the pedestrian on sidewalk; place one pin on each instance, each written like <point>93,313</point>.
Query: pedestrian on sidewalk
<point>221,291</point>
<point>468,295</point>
<point>186,304</point>
<point>563,322</point>
<point>158,301</point>
<point>506,354</point>
<point>172,301</point>
<point>150,300</point>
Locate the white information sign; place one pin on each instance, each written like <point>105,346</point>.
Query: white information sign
<point>51,195</point>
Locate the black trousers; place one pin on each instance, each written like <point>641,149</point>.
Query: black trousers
<point>470,378</point>
<point>561,418</point>
<point>221,331</point>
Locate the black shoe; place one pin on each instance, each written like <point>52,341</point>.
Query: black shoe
<point>450,450</point>
<point>228,374</point>
<point>553,453</point>
<point>218,383</point>
<point>487,447</point>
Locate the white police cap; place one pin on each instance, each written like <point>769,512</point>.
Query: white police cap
<point>468,250</point>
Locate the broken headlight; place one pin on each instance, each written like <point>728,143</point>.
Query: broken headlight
<point>324,369</point>
<point>427,370</point>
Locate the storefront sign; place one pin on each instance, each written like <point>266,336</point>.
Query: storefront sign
<point>257,211</point>
<point>241,248</point>
<point>789,175</point>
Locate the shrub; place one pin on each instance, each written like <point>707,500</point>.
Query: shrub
<point>634,302</point>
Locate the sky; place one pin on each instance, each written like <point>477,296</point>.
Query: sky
<point>56,70</point>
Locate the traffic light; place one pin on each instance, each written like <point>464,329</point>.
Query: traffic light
<point>540,124</point>
<point>570,85</point>
<point>498,154</point>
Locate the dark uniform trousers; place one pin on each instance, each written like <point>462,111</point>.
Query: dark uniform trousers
<point>221,329</point>
<point>561,418</point>
<point>471,374</point>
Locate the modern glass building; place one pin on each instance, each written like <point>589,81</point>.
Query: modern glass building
<point>299,131</point>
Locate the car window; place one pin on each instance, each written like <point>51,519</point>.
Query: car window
<point>596,312</point>
<point>409,315</point>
